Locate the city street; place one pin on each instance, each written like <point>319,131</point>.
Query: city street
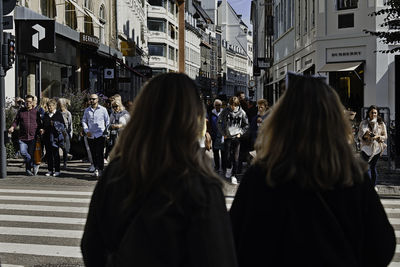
<point>42,218</point>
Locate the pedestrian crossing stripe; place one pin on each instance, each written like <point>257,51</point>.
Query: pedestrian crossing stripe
<point>41,250</point>
<point>42,232</point>
<point>390,201</point>
<point>49,192</point>
<point>46,199</point>
<point>41,219</point>
<point>43,208</point>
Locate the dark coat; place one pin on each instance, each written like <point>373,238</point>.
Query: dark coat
<point>287,226</point>
<point>165,232</point>
<point>52,131</point>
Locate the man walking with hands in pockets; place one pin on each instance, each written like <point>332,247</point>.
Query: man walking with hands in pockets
<point>95,120</point>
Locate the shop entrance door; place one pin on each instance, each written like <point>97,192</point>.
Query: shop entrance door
<point>350,87</point>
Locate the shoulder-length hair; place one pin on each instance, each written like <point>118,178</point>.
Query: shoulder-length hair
<point>306,140</point>
<point>162,136</point>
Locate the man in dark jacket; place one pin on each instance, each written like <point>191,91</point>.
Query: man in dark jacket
<point>28,120</point>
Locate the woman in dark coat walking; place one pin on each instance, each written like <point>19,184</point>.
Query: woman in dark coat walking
<point>53,127</point>
<point>159,203</point>
<point>306,200</point>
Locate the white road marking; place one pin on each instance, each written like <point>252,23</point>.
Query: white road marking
<point>390,201</point>
<point>40,232</point>
<point>41,250</point>
<point>50,192</point>
<point>47,199</point>
<point>41,219</point>
<point>43,208</point>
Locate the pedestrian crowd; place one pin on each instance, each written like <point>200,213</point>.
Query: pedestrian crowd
<point>306,199</point>
<point>48,127</point>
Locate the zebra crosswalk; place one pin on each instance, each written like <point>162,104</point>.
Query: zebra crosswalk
<point>42,226</point>
<point>45,226</point>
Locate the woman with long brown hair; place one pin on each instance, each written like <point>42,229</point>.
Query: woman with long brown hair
<point>306,195</point>
<point>372,135</point>
<point>159,202</point>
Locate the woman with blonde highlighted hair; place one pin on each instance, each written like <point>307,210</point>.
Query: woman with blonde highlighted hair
<point>306,194</point>
<point>159,201</point>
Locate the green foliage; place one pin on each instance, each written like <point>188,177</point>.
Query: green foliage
<point>392,23</point>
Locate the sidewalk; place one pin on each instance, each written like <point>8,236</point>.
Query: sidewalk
<point>76,174</point>
<point>388,180</point>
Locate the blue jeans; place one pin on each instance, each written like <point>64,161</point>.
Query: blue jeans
<point>27,148</point>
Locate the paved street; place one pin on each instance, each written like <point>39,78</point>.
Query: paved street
<point>42,218</point>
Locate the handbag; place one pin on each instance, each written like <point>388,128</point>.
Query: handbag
<point>37,155</point>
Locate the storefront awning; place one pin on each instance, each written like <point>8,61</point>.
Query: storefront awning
<point>343,66</point>
<point>94,19</point>
<point>80,9</point>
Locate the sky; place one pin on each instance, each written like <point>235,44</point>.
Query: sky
<point>242,7</point>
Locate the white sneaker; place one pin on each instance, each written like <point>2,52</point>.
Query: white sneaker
<point>49,174</point>
<point>91,168</point>
<point>95,173</point>
<point>376,189</point>
<point>234,180</point>
<point>36,169</point>
<point>228,173</point>
<point>56,174</point>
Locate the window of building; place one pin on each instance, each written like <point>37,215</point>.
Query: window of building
<point>171,31</point>
<point>158,3</point>
<point>305,16</point>
<point>299,17</point>
<point>171,6</point>
<point>346,4</point>
<point>70,16</point>
<point>171,53</point>
<point>88,27</point>
<point>48,8</point>
<point>284,10</point>
<point>157,25</point>
<point>87,4</point>
<point>290,13</point>
<point>346,21</point>
<point>102,13</point>
<point>157,49</point>
<point>313,14</point>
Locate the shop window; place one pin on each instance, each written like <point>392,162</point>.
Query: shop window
<point>346,4</point>
<point>346,21</point>
<point>48,8</point>
<point>70,16</point>
<point>161,3</point>
<point>157,25</point>
<point>157,50</point>
<point>88,25</point>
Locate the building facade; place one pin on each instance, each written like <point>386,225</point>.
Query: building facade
<point>326,38</point>
<point>162,24</point>
<point>85,47</point>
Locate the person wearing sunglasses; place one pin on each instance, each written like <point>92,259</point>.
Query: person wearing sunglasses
<point>118,119</point>
<point>95,120</point>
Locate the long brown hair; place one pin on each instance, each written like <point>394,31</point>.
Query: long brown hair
<point>306,138</point>
<point>162,134</point>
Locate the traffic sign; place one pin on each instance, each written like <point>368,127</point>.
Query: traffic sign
<point>8,6</point>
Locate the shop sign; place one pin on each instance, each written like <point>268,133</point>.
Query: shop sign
<point>344,54</point>
<point>128,48</point>
<point>263,63</point>
<point>146,71</point>
<point>36,36</point>
<point>89,40</point>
